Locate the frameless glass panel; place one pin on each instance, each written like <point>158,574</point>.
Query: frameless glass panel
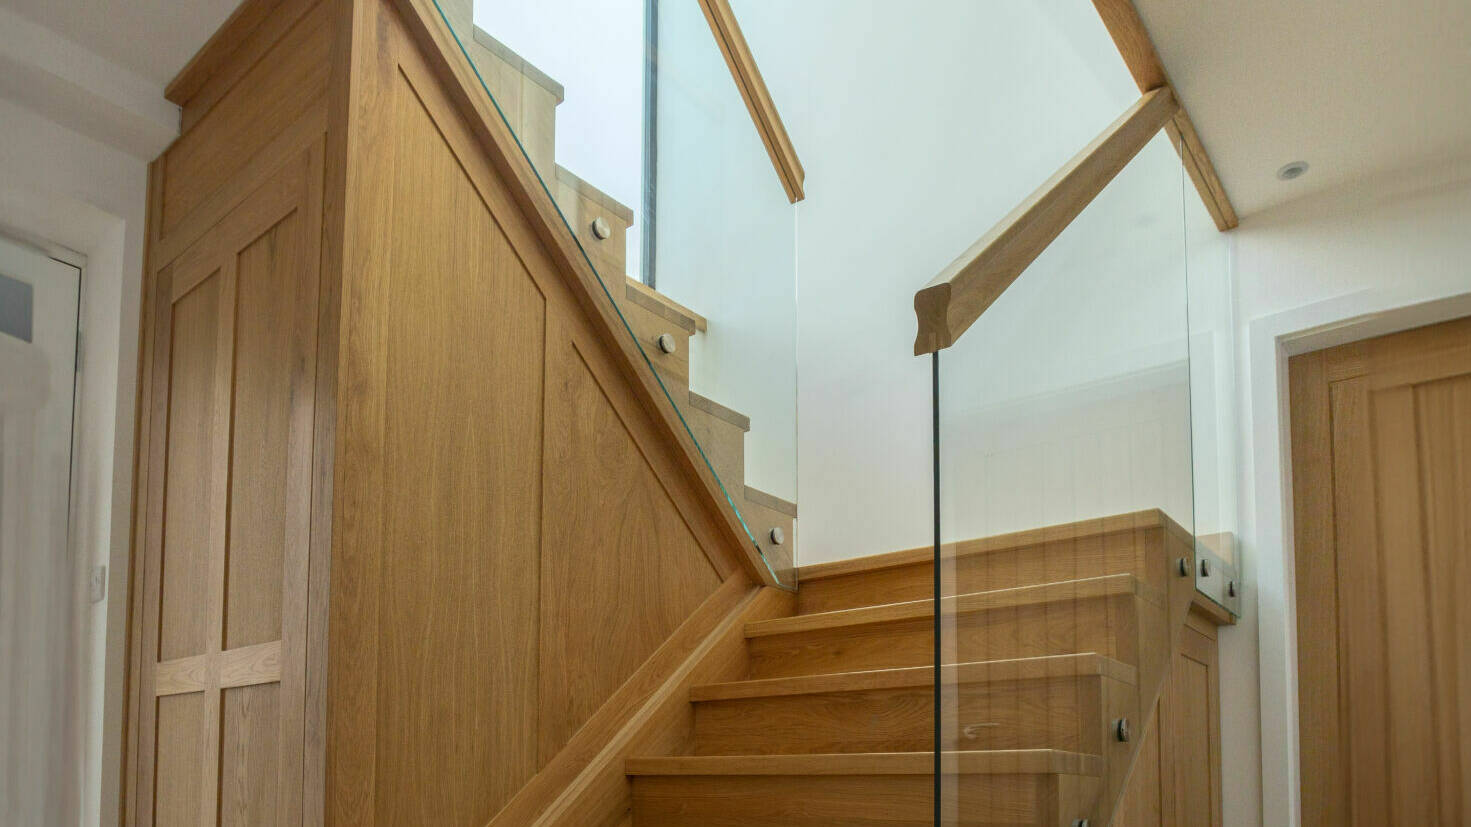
<point>41,576</point>
<point>1213,401</point>
<point>725,244</point>
<point>1065,494</point>
<point>921,125</point>
<point>630,117</point>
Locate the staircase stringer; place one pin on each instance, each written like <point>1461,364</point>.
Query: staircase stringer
<point>1160,636</point>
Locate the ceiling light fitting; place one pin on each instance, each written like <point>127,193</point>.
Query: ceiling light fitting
<point>1293,170</point>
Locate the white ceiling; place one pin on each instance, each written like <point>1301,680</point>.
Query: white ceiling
<point>1353,87</point>
<point>153,38</point>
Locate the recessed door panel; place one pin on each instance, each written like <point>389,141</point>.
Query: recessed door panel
<point>183,627</point>
<point>225,576</point>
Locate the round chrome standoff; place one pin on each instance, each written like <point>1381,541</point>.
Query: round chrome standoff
<point>1205,568</point>
<point>1082,822</point>
<point>667,343</point>
<point>777,536</point>
<point>600,227</point>
<point>1184,566</point>
<point>1121,730</point>
<point>1230,588</point>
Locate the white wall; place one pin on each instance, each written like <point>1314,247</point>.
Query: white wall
<point>1383,254</point>
<point>919,125</point>
<point>74,134</point>
<point>727,245</point>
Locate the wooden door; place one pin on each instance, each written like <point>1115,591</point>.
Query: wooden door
<point>1381,453</point>
<point>223,646</point>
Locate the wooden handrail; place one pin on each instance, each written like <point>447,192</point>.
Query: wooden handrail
<point>758,100</point>
<point>950,303</point>
<point>1142,59</point>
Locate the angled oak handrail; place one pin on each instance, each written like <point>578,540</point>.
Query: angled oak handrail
<point>1142,59</point>
<point>758,100</point>
<point>954,299</point>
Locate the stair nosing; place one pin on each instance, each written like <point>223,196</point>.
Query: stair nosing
<point>719,411</point>
<point>1081,664</point>
<point>662,306</point>
<point>1088,587</point>
<point>967,762</point>
<point>1145,519</point>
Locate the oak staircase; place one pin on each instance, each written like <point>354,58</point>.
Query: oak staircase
<point>1059,635</point>
<point>404,648</point>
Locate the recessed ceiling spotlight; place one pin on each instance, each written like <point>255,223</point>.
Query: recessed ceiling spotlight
<point>1292,170</point>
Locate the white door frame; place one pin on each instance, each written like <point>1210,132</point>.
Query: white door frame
<point>110,249</point>
<point>1267,495</point>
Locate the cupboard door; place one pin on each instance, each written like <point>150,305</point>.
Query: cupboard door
<point>1191,753</point>
<point>228,506</point>
<point>1177,773</point>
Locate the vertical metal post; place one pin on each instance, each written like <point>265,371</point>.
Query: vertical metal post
<point>651,139</point>
<point>935,459</point>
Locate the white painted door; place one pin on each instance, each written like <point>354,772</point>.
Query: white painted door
<point>39,576</point>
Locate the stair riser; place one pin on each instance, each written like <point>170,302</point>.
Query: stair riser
<point>865,801</point>
<point>1106,625</point>
<point>724,444</point>
<point>1058,713</point>
<point>1140,552</point>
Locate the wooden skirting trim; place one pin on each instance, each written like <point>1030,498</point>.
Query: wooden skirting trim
<point>1149,518</point>
<point>1067,590</point>
<point>952,301</point>
<point>1013,669</point>
<point>979,762</point>
<point>585,782</point>
<point>758,99</point>
<point>1122,20</point>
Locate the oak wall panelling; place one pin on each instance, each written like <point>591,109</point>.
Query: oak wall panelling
<point>412,526</point>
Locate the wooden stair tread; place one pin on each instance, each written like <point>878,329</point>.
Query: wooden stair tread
<point>1148,518</point>
<point>1108,585</point>
<point>967,762</point>
<point>1050,666</point>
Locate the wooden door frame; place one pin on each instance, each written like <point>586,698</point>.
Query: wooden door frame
<point>1270,611</point>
